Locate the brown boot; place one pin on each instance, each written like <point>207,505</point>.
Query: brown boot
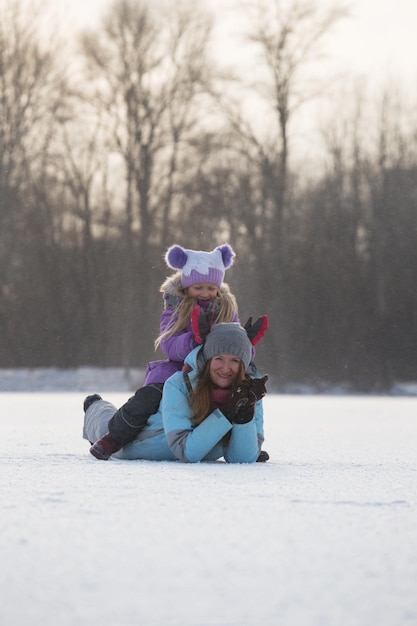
<point>105,447</point>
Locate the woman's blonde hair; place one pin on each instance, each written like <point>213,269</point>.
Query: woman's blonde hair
<point>224,308</point>
<point>201,401</point>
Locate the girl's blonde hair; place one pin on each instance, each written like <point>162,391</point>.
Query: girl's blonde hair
<point>224,308</point>
<point>201,401</point>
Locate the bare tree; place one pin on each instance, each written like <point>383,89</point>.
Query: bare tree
<point>31,96</point>
<point>288,36</point>
<point>389,229</point>
<point>147,66</point>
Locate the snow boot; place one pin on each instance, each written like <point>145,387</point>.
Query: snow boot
<point>90,399</point>
<point>263,457</point>
<point>105,447</point>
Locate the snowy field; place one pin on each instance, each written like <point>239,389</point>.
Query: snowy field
<point>324,534</point>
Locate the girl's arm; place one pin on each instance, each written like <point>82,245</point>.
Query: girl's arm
<point>178,346</point>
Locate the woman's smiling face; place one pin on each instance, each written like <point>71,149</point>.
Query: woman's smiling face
<point>224,369</point>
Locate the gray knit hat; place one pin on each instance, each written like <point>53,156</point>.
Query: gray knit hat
<point>228,338</point>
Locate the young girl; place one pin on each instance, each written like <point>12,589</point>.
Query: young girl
<point>198,281</point>
<point>197,286</point>
<point>210,410</point>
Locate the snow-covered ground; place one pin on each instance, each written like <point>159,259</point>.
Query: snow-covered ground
<point>324,534</point>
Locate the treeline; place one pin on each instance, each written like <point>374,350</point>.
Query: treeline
<point>138,139</point>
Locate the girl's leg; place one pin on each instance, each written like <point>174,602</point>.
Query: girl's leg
<point>126,423</point>
<point>96,419</point>
<point>133,416</point>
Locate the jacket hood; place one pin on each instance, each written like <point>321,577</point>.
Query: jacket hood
<point>195,359</point>
<point>172,286</point>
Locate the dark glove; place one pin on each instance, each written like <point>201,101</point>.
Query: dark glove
<point>244,415</point>
<point>240,408</point>
<point>257,387</point>
<point>255,391</point>
<point>257,330</point>
<point>239,399</point>
<point>201,323</point>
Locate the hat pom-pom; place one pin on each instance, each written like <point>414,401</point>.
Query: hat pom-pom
<point>176,257</point>
<point>227,253</point>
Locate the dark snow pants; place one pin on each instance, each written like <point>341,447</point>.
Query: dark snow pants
<point>132,417</point>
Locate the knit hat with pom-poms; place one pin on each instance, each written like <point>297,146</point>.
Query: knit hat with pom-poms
<point>200,267</point>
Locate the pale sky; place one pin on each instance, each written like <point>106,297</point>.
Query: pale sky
<point>375,48</point>
<point>379,39</point>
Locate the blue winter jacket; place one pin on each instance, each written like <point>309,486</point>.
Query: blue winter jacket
<point>207,442</point>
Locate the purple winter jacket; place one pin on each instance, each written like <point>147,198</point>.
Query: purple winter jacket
<point>178,346</point>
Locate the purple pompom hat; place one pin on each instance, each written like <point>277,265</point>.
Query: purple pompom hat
<point>198,266</point>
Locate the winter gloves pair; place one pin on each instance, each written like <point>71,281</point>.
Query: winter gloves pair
<point>202,321</point>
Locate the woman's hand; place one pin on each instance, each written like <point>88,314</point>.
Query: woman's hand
<point>258,388</point>
<point>239,399</point>
<point>240,408</point>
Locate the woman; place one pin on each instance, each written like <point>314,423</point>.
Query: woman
<point>212,409</point>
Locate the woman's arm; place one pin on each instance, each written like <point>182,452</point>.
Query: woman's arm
<point>246,440</point>
<point>189,443</point>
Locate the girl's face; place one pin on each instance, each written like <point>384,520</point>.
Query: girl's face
<point>203,291</point>
<point>224,369</point>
